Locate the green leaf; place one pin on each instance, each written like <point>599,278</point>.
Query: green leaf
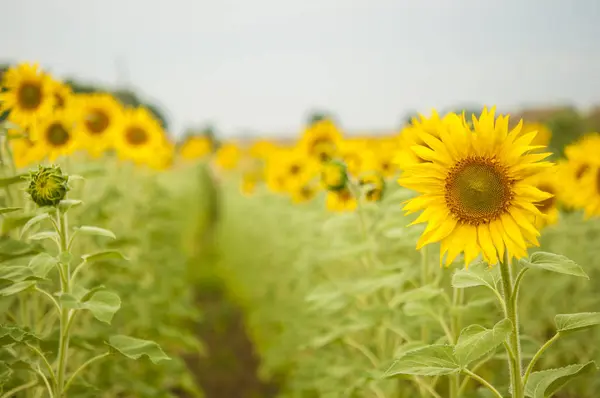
<point>4,182</point>
<point>16,288</point>
<point>16,273</point>
<point>44,235</point>
<point>89,230</point>
<point>33,221</point>
<point>475,341</point>
<point>103,304</point>
<point>547,382</point>
<point>555,263</point>
<point>5,373</point>
<point>41,264</point>
<point>136,348</point>
<point>104,255</point>
<point>11,249</point>
<point>9,209</point>
<point>14,334</point>
<point>432,360</point>
<point>67,204</point>
<point>478,274</point>
<point>572,322</point>
<point>419,294</point>
<point>69,301</point>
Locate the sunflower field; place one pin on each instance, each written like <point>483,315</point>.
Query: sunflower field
<point>456,257</point>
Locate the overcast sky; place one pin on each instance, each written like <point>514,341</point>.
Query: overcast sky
<point>263,64</point>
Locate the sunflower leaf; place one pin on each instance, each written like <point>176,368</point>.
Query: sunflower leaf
<point>573,322</point>
<point>547,382</point>
<point>555,263</point>
<point>478,274</point>
<point>475,341</point>
<point>432,360</point>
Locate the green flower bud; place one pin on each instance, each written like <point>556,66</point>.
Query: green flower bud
<point>47,186</point>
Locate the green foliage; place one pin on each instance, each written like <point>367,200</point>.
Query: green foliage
<point>546,383</point>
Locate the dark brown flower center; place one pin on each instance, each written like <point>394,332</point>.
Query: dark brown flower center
<point>581,171</point>
<point>96,121</point>
<point>29,95</point>
<point>478,190</point>
<point>295,169</point>
<point>57,135</point>
<point>545,205</point>
<point>136,136</point>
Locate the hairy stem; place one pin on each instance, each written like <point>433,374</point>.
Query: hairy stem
<point>512,314</point>
<point>538,355</point>
<point>63,344</point>
<point>483,382</point>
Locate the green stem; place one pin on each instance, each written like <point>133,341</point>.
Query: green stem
<point>457,299</point>
<point>63,345</point>
<point>483,382</point>
<point>11,393</point>
<point>465,382</point>
<point>83,366</point>
<point>45,360</point>
<point>512,314</point>
<point>424,282</point>
<point>423,386</point>
<point>538,355</point>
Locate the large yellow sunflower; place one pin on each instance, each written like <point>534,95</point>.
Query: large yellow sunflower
<point>56,134</point>
<point>474,189</point>
<point>139,135</point>
<point>29,95</point>
<point>100,119</point>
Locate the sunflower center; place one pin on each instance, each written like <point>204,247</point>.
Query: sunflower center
<point>136,136</point>
<point>57,135</point>
<point>581,171</point>
<point>546,204</point>
<point>323,148</point>
<point>96,121</point>
<point>295,169</point>
<point>30,95</point>
<point>60,100</point>
<point>477,190</point>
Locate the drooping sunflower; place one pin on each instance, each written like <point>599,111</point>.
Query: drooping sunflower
<point>100,118</point>
<point>474,191</point>
<point>321,140</point>
<point>138,136</point>
<point>56,135</point>
<point>28,95</point>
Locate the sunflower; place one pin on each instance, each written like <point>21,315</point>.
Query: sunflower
<point>340,201</point>
<point>139,135</point>
<point>321,140</point>
<point>354,154</point>
<point>56,135</point>
<point>63,94</point>
<point>334,175</point>
<point>547,181</point>
<point>543,135</point>
<point>288,169</point>
<point>100,116</point>
<point>228,156</point>
<point>164,156</point>
<point>585,191</point>
<point>411,136</point>
<point>28,96</point>
<point>474,189</point>
<point>26,152</point>
<point>372,185</point>
<point>304,193</point>
<point>196,147</point>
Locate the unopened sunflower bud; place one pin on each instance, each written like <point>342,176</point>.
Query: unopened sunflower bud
<point>334,175</point>
<point>47,186</point>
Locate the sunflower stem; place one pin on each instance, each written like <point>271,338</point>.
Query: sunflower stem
<point>424,282</point>
<point>512,314</point>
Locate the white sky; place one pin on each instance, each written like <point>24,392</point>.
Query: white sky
<point>261,65</point>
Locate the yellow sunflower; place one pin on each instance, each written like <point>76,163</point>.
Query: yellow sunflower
<point>372,185</point>
<point>56,134</point>
<point>100,118</point>
<point>354,154</point>
<point>474,189</point>
<point>321,140</point>
<point>304,193</point>
<point>334,176</point>
<point>139,135</point>
<point>585,191</point>
<point>547,181</point>
<point>63,94</point>
<point>340,201</point>
<point>288,169</point>
<point>196,147</point>
<point>29,95</point>
<point>228,156</point>
<point>411,136</point>
<point>26,152</point>
<point>164,156</point>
